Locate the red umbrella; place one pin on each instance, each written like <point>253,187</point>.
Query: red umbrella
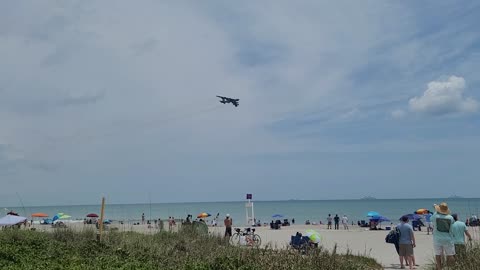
<point>39,215</point>
<point>92,215</point>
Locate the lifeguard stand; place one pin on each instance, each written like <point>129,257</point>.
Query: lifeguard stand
<point>250,214</point>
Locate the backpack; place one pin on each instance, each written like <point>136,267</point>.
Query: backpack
<point>393,236</point>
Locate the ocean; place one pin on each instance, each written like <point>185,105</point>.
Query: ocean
<point>301,210</point>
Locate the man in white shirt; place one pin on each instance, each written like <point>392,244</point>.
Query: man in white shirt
<point>345,222</point>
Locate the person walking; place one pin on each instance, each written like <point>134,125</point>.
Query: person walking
<point>459,231</point>
<point>329,222</point>
<point>337,221</point>
<point>228,222</point>
<point>143,218</point>
<point>345,222</point>
<point>442,235</point>
<point>406,243</point>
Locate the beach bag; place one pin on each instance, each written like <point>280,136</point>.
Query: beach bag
<point>393,236</point>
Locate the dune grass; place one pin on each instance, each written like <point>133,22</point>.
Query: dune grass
<point>468,261</point>
<point>67,249</point>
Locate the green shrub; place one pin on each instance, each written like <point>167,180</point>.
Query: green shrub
<point>67,249</point>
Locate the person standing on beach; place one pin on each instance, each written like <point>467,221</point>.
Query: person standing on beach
<point>143,218</point>
<point>228,222</point>
<point>170,223</point>
<point>428,219</point>
<point>459,231</point>
<point>345,222</point>
<point>329,222</point>
<point>406,243</point>
<point>337,221</point>
<point>442,235</point>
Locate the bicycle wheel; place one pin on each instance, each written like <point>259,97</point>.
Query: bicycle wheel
<point>235,239</point>
<point>257,241</point>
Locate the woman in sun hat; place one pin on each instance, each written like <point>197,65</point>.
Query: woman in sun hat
<point>442,234</point>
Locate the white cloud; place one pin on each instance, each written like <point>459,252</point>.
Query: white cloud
<point>444,97</point>
<point>398,114</point>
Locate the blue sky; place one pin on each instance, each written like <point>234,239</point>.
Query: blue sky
<point>337,100</point>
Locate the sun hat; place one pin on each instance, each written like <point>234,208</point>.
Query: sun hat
<point>228,215</point>
<point>442,208</point>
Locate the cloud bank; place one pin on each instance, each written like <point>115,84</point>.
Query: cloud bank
<point>120,97</point>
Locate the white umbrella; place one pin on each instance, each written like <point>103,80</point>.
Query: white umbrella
<point>10,220</point>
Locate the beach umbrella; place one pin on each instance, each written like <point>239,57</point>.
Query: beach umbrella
<point>92,215</point>
<point>422,211</point>
<point>379,219</point>
<point>313,235</point>
<point>10,220</point>
<point>372,214</point>
<point>412,216</point>
<point>60,216</point>
<point>277,216</point>
<point>39,215</point>
<point>203,215</point>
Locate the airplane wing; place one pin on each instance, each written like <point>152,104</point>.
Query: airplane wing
<point>221,97</point>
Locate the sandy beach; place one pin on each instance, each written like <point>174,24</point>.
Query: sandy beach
<point>357,240</point>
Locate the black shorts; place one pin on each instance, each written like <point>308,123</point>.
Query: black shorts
<point>228,231</point>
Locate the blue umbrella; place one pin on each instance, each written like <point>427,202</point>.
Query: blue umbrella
<point>379,219</point>
<point>372,214</point>
<point>412,216</point>
<point>277,216</point>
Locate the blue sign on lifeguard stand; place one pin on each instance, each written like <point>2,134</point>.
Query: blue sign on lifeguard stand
<point>250,215</point>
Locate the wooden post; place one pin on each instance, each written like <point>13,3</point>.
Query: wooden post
<point>101,220</point>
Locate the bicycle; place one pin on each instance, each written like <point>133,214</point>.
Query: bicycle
<point>252,239</point>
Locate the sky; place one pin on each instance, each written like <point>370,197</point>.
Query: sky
<point>338,100</point>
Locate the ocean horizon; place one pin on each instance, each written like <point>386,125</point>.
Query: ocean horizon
<point>301,210</point>
<point>233,201</point>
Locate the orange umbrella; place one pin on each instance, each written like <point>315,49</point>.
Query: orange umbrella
<point>39,215</point>
<point>421,211</point>
<point>203,215</point>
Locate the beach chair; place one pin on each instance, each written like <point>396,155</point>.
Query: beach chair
<point>299,242</point>
<point>275,225</point>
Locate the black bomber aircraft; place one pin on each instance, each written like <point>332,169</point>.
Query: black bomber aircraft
<point>226,100</point>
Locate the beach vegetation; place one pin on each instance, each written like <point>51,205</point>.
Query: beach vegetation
<point>69,249</point>
<point>470,260</point>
